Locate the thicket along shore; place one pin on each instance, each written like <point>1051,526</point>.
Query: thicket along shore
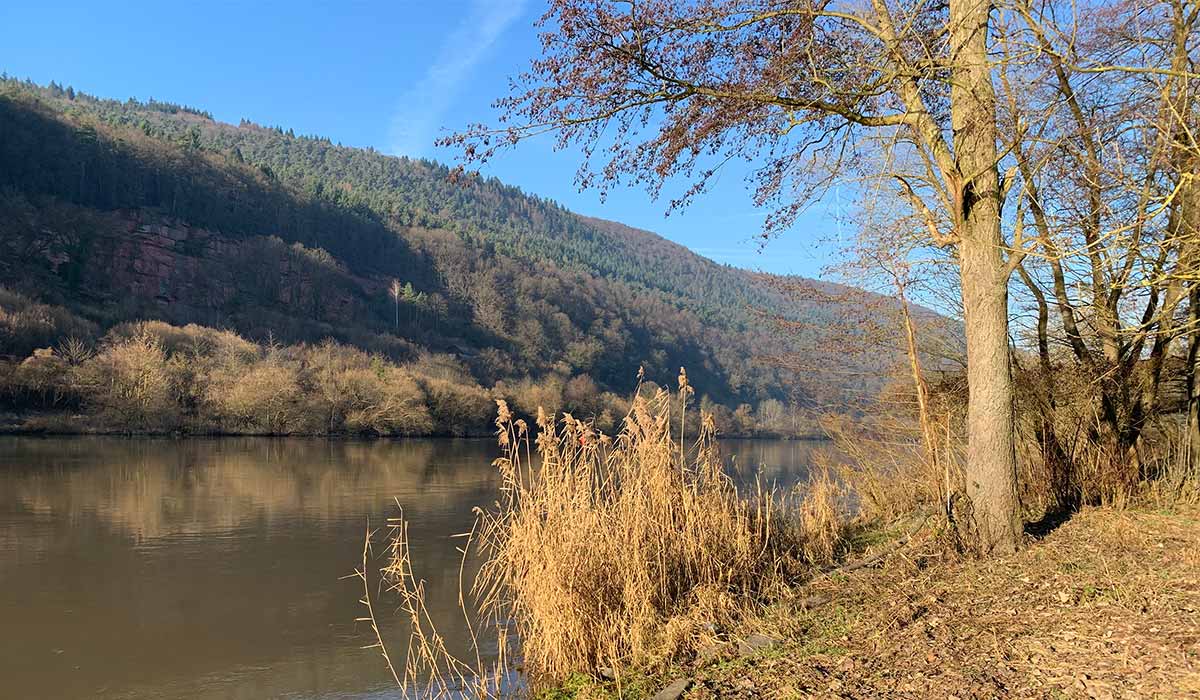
<point>153,378</point>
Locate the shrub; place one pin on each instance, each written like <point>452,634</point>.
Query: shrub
<point>384,402</point>
<point>43,376</point>
<point>458,409</point>
<point>581,396</point>
<point>437,366</point>
<point>264,398</point>
<point>217,346</point>
<point>130,384</point>
<point>528,395</point>
<point>26,325</point>
<point>351,391</point>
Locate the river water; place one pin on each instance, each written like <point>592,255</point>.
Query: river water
<point>147,568</point>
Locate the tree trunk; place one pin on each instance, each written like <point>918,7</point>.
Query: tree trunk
<point>991,470</point>
<point>1064,492</point>
<point>920,386</point>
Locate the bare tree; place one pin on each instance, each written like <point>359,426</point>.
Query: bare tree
<point>808,91</point>
<point>396,290</point>
<point>1101,124</point>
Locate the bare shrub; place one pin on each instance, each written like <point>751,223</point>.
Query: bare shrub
<point>384,401</point>
<point>130,384</point>
<point>457,408</point>
<point>351,391</point>
<point>264,398</point>
<point>440,366</point>
<point>44,375</point>
<point>193,340</point>
<point>527,396</point>
<point>582,397</point>
<point>74,350</point>
<point>327,374</point>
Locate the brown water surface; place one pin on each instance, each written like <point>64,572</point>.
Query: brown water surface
<point>146,568</point>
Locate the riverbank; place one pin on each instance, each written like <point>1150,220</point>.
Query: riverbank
<point>65,424</point>
<point>74,425</point>
<point>68,424</point>
<point>1104,605</point>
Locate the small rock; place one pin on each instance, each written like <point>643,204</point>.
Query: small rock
<point>755,643</point>
<point>675,690</point>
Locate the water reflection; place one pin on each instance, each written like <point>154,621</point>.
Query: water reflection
<point>213,568</point>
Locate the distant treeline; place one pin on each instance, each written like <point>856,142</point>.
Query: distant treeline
<point>512,284</point>
<point>152,377</point>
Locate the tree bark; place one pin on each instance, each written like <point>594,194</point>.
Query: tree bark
<point>991,469</point>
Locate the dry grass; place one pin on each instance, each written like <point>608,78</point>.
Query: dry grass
<point>1162,471</point>
<point>891,473</point>
<point>618,552</point>
<point>1172,473</point>
<point>1106,606</point>
<point>887,470</point>
<point>428,664</point>
<point>427,669</point>
<point>822,517</point>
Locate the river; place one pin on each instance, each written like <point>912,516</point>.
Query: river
<point>214,568</point>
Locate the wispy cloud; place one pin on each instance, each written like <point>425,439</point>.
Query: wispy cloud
<point>420,117</point>
<point>745,253</point>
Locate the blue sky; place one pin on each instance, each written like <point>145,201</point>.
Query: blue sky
<point>390,74</point>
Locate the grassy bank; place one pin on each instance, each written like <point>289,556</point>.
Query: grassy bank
<point>630,565</point>
<point>1107,604</point>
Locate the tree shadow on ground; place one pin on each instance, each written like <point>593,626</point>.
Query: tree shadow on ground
<point>1048,523</point>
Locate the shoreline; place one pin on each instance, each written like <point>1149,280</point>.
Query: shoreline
<point>9,430</point>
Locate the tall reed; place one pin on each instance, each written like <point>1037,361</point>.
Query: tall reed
<point>627,551</point>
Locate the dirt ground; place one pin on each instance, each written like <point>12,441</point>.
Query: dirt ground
<point>1105,605</point>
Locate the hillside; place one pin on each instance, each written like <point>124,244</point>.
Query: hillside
<point>119,211</point>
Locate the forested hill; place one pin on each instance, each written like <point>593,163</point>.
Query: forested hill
<point>129,210</point>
